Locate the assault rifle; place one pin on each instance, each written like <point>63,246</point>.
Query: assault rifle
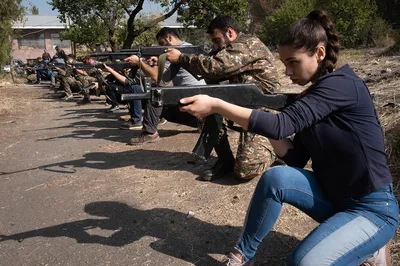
<point>149,51</point>
<point>153,51</point>
<point>244,94</point>
<point>116,65</point>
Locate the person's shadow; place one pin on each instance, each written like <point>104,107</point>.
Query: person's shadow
<point>177,234</point>
<point>139,158</point>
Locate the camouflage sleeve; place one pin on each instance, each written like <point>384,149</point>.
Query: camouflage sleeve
<point>91,72</point>
<point>62,72</point>
<point>228,62</point>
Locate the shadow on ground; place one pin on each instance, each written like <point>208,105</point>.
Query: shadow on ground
<point>189,239</point>
<point>108,130</point>
<point>140,159</point>
<point>105,161</point>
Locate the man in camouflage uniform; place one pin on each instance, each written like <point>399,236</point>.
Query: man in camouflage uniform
<point>88,79</point>
<point>77,80</point>
<point>68,82</point>
<point>240,59</point>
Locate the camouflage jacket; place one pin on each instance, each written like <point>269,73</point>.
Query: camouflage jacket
<point>68,71</point>
<point>246,60</point>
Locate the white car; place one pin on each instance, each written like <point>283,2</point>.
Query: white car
<point>18,67</point>
<point>6,68</point>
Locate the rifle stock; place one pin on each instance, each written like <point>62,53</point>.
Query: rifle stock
<point>245,94</point>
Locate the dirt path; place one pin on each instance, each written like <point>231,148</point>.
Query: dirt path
<point>73,193</point>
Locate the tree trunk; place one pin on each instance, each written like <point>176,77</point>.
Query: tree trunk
<point>113,43</point>
<point>132,34</point>
<point>129,40</point>
<point>12,72</point>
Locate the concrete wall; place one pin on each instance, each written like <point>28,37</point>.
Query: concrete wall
<point>24,54</point>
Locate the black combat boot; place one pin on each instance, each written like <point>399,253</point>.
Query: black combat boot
<point>225,163</point>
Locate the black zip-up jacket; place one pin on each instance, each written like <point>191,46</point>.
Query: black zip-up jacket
<point>336,125</point>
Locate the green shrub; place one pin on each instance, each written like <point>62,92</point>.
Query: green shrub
<point>355,20</point>
<point>352,18</point>
<point>277,23</point>
<point>381,33</point>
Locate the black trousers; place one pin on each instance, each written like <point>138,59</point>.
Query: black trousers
<point>152,116</point>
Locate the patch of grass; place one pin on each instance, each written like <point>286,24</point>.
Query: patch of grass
<point>392,50</point>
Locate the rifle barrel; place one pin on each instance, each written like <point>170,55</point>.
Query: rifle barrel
<point>245,94</point>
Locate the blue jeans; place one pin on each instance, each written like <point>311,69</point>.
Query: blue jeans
<point>135,107</point>
<point>350,230</point>
<point>45,73</point>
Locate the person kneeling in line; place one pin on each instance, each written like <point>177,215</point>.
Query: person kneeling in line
<point>152,115</point>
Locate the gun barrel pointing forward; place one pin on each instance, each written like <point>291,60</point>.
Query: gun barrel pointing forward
<point>246,94</point>
<point>151,51</point>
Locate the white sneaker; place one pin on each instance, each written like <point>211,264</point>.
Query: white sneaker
<point>232,260</point>
<point>381,258</point>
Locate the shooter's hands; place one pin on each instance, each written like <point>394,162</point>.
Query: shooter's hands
<point>173,55</point>
<point>199,106</point>
<point>107,68</point>
<point>152,61</point>
<point>133,60</point>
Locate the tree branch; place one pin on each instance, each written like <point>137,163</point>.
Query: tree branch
<point>100,16</point>
<point>133,14</point>
<point>137,9</point>
<point>163,17</point>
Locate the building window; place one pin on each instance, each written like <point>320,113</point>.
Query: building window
<point>56,41</point>
<point>32,41</point>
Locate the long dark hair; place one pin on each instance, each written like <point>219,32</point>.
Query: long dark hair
<point>309,32</point>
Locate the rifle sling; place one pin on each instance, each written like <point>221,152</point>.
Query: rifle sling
<point>161,66</point>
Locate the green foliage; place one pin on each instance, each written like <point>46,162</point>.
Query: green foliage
<point>117,19</point>
<point>355,20</point>
<point>147,38</point>
<point>87,13</point>
<point>352,18</point>
<point>276,24</point>
<point>199,13</point>
<point>80,11</point>
<point>390,11</point>
<point>380,33</point>
<point>89,33</point>
<point>10,11</point>
<point>258,11</point>
<point>112,14</point>
<point>34,10</point>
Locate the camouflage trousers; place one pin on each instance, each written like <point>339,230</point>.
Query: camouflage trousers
<point>70,84</point>
<point>31,77</point>
<point>254,155</point>
<point>86,81</point>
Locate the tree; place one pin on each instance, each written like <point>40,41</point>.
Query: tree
<point>146,38</point>
<point>34,10</point>
<point>110,13</point>
<point>352,18</point>
<point>10,11</point>
<point>278,21</point>
<point>92,32</point>
<point>199,13</point>
<point>355,20</point>
<point>390,11</point>
<point>259,9</point>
